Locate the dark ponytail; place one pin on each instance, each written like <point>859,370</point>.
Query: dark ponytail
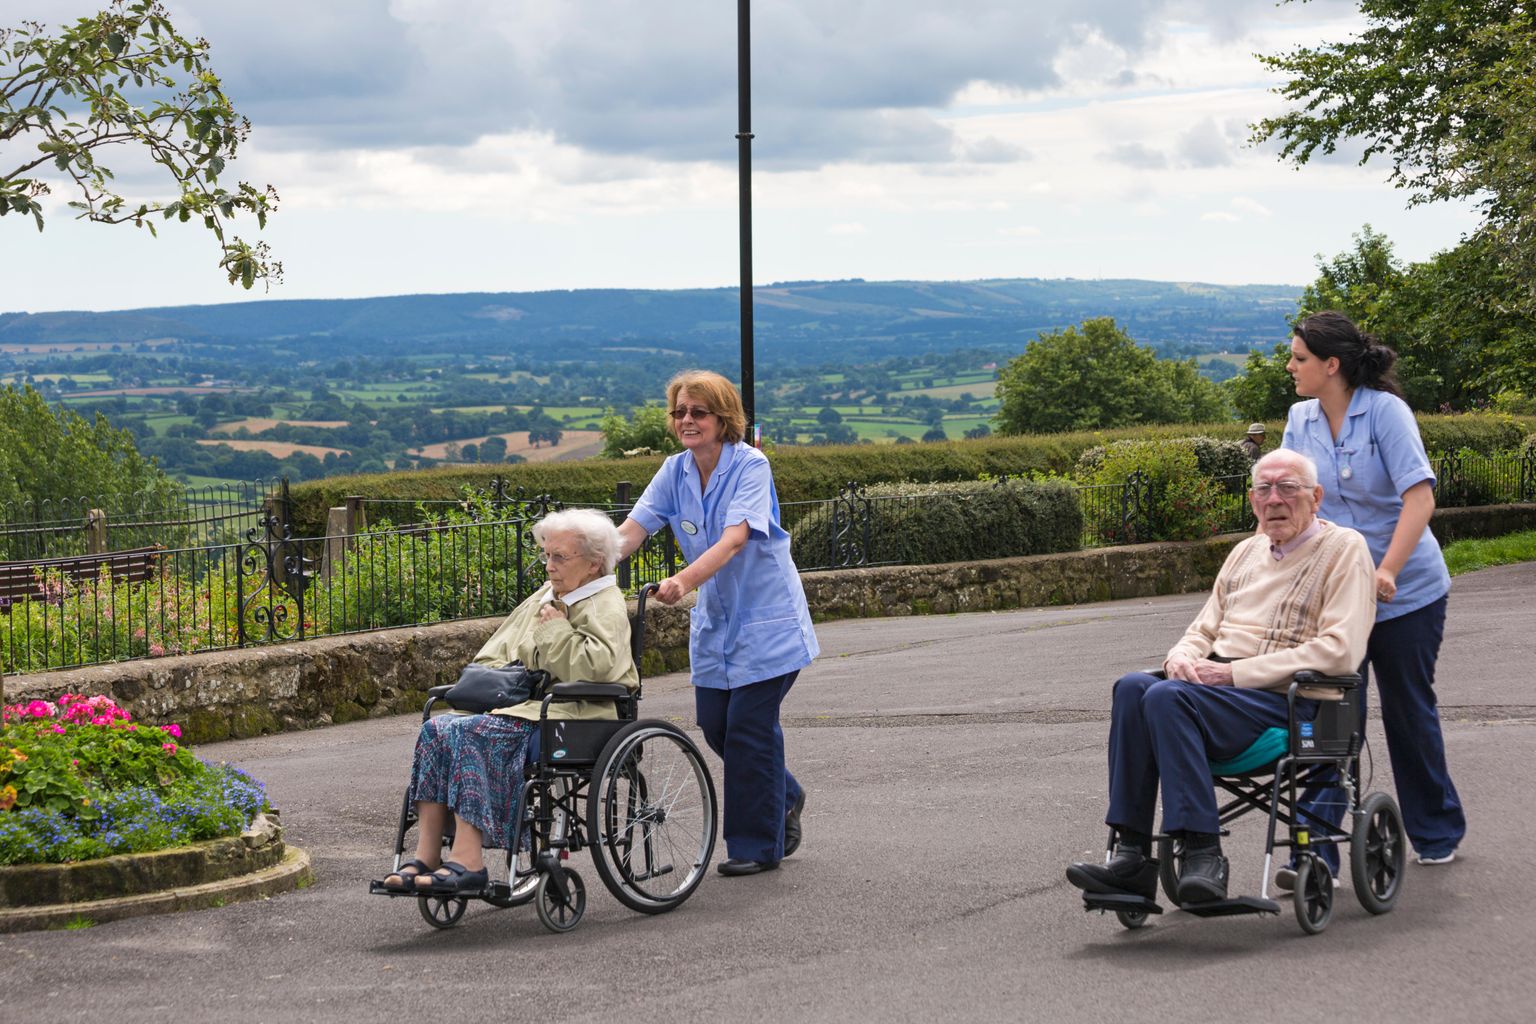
<point>1364,361</point>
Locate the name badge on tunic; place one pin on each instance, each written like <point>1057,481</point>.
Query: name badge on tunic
<point>689,528</point>
<point>1346,472</point>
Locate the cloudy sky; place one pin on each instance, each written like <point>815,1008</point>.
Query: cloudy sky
<point>513,145</point>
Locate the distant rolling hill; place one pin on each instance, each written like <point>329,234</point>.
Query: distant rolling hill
<point>798,323</point>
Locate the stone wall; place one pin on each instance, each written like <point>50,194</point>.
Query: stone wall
<point>341,679</point>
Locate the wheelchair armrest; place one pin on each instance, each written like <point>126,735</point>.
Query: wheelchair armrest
<point>589,691</point>
<point>439,691</point>
<point>1307,677</point>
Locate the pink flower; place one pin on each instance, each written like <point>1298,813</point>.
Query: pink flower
<point>155,650</point>
<point>59,729</point>
<point>173,729</point>
<point>133,728</point>
<point>169,748</point>
<point>40,709</point>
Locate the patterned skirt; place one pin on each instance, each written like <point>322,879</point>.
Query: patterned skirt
<point>474,764</point>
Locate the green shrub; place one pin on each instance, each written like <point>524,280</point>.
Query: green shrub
<point>1175,500</point>
<point>1213,456</point>
<point>928,524</point>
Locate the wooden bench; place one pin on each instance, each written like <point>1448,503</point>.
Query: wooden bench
<point>19,580</point>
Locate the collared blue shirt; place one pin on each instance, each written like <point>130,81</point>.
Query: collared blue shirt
<point>750,622</point>
<point>1378,455</point>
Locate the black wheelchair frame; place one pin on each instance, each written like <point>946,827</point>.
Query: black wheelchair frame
<point>1324,751</point>
<point>649,819</point>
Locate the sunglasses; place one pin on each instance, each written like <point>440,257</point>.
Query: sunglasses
<point>698,412</point>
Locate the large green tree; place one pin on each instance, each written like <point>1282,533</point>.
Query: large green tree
<point>56,455</point>
<point>1462,344</point>
<point>1443,89</point>
<point>1097,376</point>
<point>125,78</point>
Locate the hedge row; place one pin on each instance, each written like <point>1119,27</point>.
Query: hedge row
<point>929,524</point>
<point>814,473</point>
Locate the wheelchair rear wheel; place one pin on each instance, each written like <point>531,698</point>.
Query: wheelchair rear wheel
<point>651,816</point>
<point>1377,853</point>
<point>1314,894</point>
<point>442,911</point>
<point>1170,861</point>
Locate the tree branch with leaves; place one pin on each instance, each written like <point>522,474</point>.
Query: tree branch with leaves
<point>125,77</point>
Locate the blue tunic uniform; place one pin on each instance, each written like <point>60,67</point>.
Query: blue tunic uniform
<point>1377,457</point>
<point>750,621</point>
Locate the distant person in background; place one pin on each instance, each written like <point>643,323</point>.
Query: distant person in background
<point>1253,444</point>
<point>1377,479</point>
<point>751,631</point>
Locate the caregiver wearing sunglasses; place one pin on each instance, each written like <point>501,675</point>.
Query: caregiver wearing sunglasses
<point>751,631</point>
<point>1377,479</point>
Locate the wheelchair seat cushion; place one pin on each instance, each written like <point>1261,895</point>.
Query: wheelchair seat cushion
<point>1261,753</point>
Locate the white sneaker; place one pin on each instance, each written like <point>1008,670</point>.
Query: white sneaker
<point>1436,860</point>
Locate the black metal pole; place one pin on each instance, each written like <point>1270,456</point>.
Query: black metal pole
<point>744,163</point>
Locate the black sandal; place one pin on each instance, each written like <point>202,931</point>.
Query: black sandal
<point>454,879</point>
<point>407,873</point>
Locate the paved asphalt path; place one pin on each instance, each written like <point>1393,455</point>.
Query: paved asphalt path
<point>955,765</point>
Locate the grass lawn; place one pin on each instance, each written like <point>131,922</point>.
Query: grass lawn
<point>1466,555</point>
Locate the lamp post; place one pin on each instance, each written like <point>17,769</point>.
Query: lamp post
<point>744,172</point>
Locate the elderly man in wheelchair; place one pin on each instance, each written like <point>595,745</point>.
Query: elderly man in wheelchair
<point>1252,686</point>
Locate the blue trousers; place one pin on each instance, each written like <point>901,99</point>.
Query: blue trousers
<point>1170,730</point>
<point>1403,652</point>
<point>742,726</point>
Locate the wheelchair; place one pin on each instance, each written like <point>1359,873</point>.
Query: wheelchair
<point>1269,777</point>
<point>635,792</point>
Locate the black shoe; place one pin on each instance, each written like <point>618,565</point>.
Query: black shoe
<point>1128,871</point>
<point>746,867</point>
<point>1204,877</point>
<point>792,825</point>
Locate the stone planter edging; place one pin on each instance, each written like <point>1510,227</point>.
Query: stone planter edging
<point>292,871</point>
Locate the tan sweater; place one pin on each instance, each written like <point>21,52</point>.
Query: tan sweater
<point>589,645</point>
<point>1312,609</point>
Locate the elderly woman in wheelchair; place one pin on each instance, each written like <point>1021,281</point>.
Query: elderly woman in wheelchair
<point>1260,684</point>
<point>508,779</point>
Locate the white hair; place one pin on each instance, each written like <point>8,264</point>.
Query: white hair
<point>598,536</point>
<point>1303,464</point>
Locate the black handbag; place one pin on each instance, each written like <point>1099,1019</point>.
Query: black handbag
<point>482,688</point>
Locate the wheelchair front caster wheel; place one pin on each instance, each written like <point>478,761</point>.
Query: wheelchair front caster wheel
<point>559,911</point>
<point>1314,895</point>
<point>1132,919</point>
<point>442,911</point>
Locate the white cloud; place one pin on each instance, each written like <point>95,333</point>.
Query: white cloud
<point>1220,217</point>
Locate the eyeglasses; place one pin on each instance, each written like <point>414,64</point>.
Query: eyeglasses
<point>1286,488</point>
<point>548,559</point>
<point>698,412</point>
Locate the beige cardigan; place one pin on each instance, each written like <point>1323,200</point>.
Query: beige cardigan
<point>1313,609</point>
<point>590,645</point>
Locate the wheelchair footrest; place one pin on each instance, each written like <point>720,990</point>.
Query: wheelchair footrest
<point>1103,901</point>
<point>492,891</point>
<point>1230,908</point>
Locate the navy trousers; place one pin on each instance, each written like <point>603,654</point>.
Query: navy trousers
<point>1170,730</point>
<point>1403,652</point>
<point>742,726</point>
